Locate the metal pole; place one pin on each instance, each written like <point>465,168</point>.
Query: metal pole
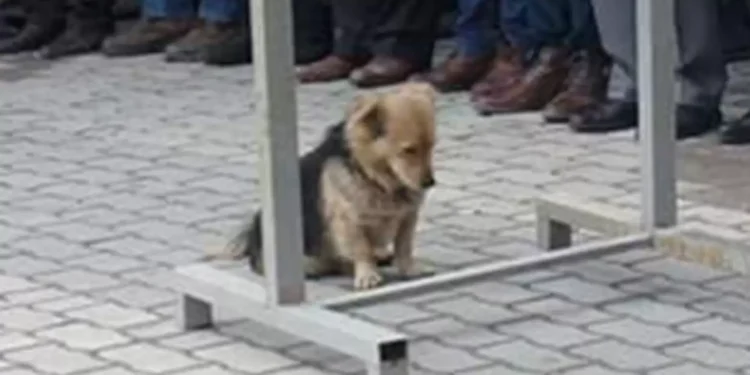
<point>277,122</point>
<point>656,91</point>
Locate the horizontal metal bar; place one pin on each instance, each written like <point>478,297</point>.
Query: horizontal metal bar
<point>585,214</point>
<point>339,332</point>
<point>479,273</point>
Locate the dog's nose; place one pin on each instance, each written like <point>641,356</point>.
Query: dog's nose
<point>428,182</point>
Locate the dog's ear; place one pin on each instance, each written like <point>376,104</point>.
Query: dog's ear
<point>366,114</point>
<point>420,88</point>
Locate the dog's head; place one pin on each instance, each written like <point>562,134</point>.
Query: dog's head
<point>392,136</point>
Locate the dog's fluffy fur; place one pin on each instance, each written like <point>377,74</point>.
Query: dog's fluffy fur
<point>362,188</point>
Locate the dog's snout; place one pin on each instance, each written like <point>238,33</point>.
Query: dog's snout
<point>428,182</point>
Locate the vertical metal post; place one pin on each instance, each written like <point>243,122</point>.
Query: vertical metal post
<point>656,91</point>
<point>277,115</point>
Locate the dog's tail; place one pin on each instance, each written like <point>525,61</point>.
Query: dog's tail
<point>248,243</point>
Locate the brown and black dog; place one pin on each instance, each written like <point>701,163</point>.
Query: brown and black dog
<point>362,188</point>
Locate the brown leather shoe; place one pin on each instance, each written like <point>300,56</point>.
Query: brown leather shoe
<point>507,70</point>
<point>381,71</point>
<point>457,73</point>
<point>330,68</point>
<point>586,84</point>
<point>538,86</point>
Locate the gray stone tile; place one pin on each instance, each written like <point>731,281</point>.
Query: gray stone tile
<point>523,355</point>
<point>623,356</point>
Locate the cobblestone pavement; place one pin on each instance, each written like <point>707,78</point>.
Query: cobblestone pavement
<point>112,172</point>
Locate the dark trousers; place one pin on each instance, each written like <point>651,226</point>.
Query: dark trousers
<point>526,24</point>
<point>404,29</point>
<point>209,10</point>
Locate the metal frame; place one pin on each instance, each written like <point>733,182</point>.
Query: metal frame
<point>278,301</point>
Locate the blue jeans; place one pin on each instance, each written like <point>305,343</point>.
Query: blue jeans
<point>526,24</point>
<point>207,10</point>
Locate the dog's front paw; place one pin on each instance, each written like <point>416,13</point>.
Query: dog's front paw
<point>366,277</point>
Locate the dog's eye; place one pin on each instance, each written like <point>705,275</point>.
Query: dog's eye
<point>410,150</point>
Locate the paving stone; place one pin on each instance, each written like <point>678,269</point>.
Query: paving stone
<point>208,370</point>
<point>84,336</point>
<point>689,368</point>
<point>116,370</point>
<point>393,313</point>
<point>155,330</point>
<point>502,293</point>
<point>17,372</point>
<point>51,248</point>
<point>260,335</point>
<point>730,306</point>
<point>622,356</point>
<point>139,296</point>
<point>302,371</point>
<point>530,357</point>
<point>721,330</point>
<point>452,332</point>
<point>545,333</point>
<point>596,370</point>
<point>314,354</point>
<point>35,296</point>
<point>678,270</point>
<point>107,263</point>
<point>80,232</point>
<point>579,290</point>
<point>54,359</point>
<point>493,370</point>
<point>736,285</point>
<point>244,357</point>
<point>149,358</point>
<point>668,290</point>
<point>655,312</point>
<point>473,311</point>
<point>712,354</point>
<point>564,311</point>
<point>65,304</point>
<point>14,340</point>
<point>510,250</point>
<point>639,333</point>
<point>435,357</point>
<point>24,319</point>
<point>79,280</point>
<point>112,316</point>
<point>194,340</point>
<point>10,284</point>
<point>598,271</point>
<point>23,265</point>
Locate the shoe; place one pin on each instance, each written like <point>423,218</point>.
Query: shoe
<point>457,73</point>
<point>736,132</point>
<point>147,36</point>
<point>382,71</point>
<point>695,121</point>
<point>505,71</point>
<point>45,20</point>
<point>606,116</point>
<point>330,68</point>
<point>536,88</point>
<point>586,85</point>
<point>193,47</point>
<point>89,24</point>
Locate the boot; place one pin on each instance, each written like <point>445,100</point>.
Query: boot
<point>147,36</point>
<point>89,23</point>
<point>45,21</point>
<point>12,19</point>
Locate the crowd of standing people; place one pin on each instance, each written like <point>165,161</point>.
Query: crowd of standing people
<point>559,57</point>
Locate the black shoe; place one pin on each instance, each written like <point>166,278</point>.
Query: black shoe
<point>45,20</point>
<point>608,116</point>
<point>89,24</point>
<point>736,132</point>
<point>695,121</point>
<point>210,38</point>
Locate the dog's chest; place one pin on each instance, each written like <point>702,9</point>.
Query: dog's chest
<point>349,195</point>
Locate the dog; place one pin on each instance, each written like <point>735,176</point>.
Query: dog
<point>362,189</point>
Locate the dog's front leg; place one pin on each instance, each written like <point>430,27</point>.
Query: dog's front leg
<point>403,245</point>
<point>352,240</point>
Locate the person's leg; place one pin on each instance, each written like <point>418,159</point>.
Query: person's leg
<point>89,22</point>
<point>476,39</point>
<point>401,37</point>
<point>538,28</point>
<point>223,30</point>
<point>351,23</point>
<point>615,20</point>
<point>587,80</point>
<point>45,20</point>
<point>163,22</point>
